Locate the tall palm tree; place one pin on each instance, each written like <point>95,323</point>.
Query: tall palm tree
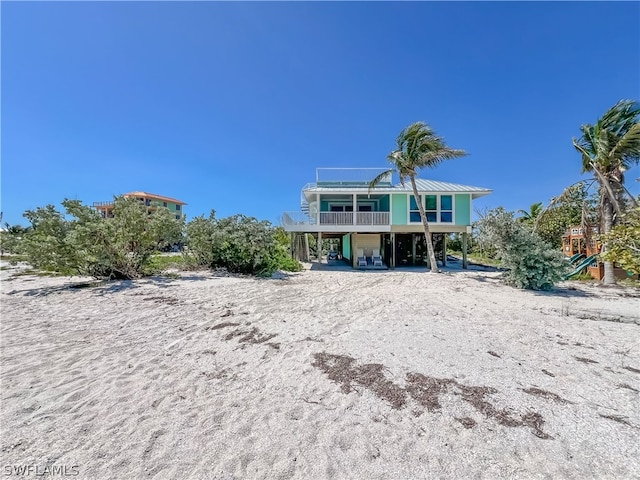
<point>418,147</point>
<point>608,149</point>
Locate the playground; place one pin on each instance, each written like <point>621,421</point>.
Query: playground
<point>582,248</point>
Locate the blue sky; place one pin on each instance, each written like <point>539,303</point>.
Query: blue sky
<point>232,106</point>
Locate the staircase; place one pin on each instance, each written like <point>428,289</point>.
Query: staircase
<point>304,205</point>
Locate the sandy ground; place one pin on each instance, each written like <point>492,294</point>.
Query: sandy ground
<point>322,374</point>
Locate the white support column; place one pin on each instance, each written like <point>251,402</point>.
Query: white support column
<point>319,248</point>
<point>317,209</point>
<point>355,208</point>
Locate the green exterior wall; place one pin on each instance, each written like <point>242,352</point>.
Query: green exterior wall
<point>384,203</point>
<point>399,209</point>
<point>346,246</point>
<point>324,206</point>
<point>463,209</point>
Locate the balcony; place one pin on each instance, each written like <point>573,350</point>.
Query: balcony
<point>339,219</point>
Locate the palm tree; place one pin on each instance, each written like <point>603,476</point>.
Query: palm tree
<point>418,147</point>
<point>532,215</point>
<point>608,149</point>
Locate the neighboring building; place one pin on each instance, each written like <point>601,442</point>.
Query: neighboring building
<point>151,200</point>
<point>385,219</point>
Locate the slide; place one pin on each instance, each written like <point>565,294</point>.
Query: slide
<point>581,266</point>
<point>576,257</point>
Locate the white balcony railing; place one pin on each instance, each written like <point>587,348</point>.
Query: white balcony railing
<point>298,218</point>
<point>337,218</point>
<point>372,218</point>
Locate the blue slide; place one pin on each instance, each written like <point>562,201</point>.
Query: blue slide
<point>581,266</point>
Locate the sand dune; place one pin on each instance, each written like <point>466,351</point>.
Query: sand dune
<point>323,374</point>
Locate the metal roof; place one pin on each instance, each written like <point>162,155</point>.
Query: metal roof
<point>424,186</point>
<point>437,186</point>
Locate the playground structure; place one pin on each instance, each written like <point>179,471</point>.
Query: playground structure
<point>582,248</point>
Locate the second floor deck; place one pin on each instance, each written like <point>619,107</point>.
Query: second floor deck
<point>337,218</point>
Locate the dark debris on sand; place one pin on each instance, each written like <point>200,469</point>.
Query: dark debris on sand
<point>423,389</point>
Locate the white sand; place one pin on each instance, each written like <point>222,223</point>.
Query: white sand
<point>128,380</point>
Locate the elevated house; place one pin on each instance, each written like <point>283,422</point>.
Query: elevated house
<point>150,200</point>
<point>381,224</point>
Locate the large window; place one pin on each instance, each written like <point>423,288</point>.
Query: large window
<point>438,208</point>
<point>431,209</point>
<point>446,209</point>
<point>414,212</point>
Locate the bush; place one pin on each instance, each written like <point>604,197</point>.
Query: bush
<point>240,244</point>
<point>623,242</point>
<point>11,239</point>
<point>118,247</point>
<point>532,263</point>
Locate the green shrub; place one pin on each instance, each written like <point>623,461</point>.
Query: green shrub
<point>240,244</point>
<point>87,244</point>
<point>623,242</point>
<point>11,239</point>
<point>531,263</point>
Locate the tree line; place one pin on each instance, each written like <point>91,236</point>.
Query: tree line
<point>528,245</point>
<point>79,241</point>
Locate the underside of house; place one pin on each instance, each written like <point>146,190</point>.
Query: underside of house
<point>378,227</point>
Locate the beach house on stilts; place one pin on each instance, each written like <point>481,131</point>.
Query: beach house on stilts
<point>381,227</point>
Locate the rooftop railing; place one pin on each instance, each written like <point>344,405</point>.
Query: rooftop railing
<point>349,176</point>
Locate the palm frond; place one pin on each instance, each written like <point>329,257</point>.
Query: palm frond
<point>629,146</point>
<point>379,178</point>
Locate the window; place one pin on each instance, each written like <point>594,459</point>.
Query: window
<point>177,208</point>
<point>438,209</point>
<point>446,209</point>
<point>177,217</point>
<point>414,212</point>
<point>164,204</point>
<point>341,208</point>
<point>431,208</point>
<point>365,208</point>
<point>147,202</point>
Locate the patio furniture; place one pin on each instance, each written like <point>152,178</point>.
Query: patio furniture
<point>362,260</point>
<point>376,258</point>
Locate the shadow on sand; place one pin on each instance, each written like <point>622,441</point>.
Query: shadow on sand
<point>105,287</point>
